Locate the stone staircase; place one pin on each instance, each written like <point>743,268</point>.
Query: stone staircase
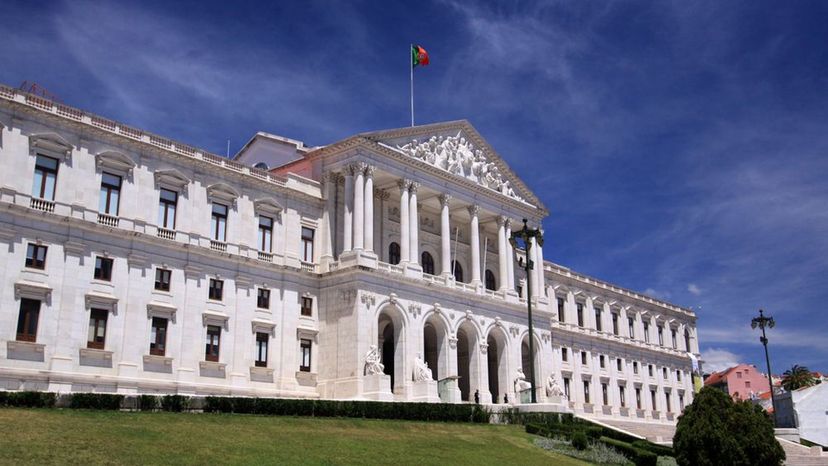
<point>800,455</point>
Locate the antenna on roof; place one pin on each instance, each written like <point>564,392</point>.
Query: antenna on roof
<point>36,89</point>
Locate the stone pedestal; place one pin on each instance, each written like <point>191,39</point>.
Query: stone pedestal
<point>449,390</point>
<point>425,391</point>
<point>377,387</point>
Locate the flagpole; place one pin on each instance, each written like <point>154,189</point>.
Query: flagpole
<point>411,66</point>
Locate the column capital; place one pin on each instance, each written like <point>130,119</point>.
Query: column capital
<point>369,170</point>
<point>508,223</point>
<point>445,199</point>
<point>501,220</point>
<point>356,168</point>
<point>404,184</point>
<point>474,210</point>
<point>413,187</point>
<point>382,194</point>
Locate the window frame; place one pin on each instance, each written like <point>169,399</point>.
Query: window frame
<point>305,354</point>
<point>306,306</point>
<point>561,309</point>
<point>394,253</point>
<point>215,290</point>
<point>160,336</point>
<point>98,319</point>
<point>427,261</point>
<point>166,204</point>
<point>218,221</point>
<point>262,349</point>
<point>265,238</point>
<point>579,311</point>
<point>44,171</point>
<point>28,318</point>
<point>32,256</point>
<point>491,282</point>
<point>263,296</point>
<point>103,272</point>
<point>108,189</point>
<point>308,243</point>
<point>212,343</point>
<point>599,314</point>
<point>160,285</point>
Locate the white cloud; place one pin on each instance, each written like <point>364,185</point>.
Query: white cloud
<point>718,359</point>
<point>657,294</point>
<point>694,289</point>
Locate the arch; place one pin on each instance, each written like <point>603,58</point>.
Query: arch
<point>468,359</point>
<point>525,358</point>
<point>457,270</point>
<point>390,332</point>
<point>436,345</point>
<point>497,358</point>
<point>261,166</point>
<point>491,283</point>
<point>394,253</point>
<point>427,261</point>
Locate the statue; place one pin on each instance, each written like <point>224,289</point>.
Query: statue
<point>521,383</point>
<point>421,370</point>
<point>552,387</point>
<point>373,366</point>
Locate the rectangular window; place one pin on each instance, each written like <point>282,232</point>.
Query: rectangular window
<point>614,323</point>
<point>307,244</point>
<point>686,340</point>
<point>622,396</point>
<point>97,329</point>
<point>564,354</point>
<point>605,394</point>
<point>167,203</point>
<point>263,300</point>
<point>602,361</point>
<point>631,326</point>
<point>678,375</point>
<point>586,391</point>
<point>45,176</point>
<point>635,367</point>
<point>103,268</point>
<point>650,369</point>
<point>305,347</point>
<point>218,227</point>
<point>598,324</point>
<point>664,373</point>
<point>646,332</point>
<point>213,343</point>
<point>27,320</point>
<point>36,256</point>
<point>653,399</point>
<point>667,402</point>
<point>216,289</point>
<point>738,375</point>
<point>661,335</point>
<point>681,402</point>
<point>261,349</point>
<point>110,194</point>
<point>307,306</point>
<point>158,336</point>
<point>619,364</point>
<point>673,337</point>
<point>638,398</point>
<point>580,310</point>
<point>561,313</point>
<point>265,234</point>
<point>566,387</point>
<point>162,279</point>
<point>583,357</point>
<point>747,384</point>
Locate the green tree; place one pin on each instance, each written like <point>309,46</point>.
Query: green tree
<point>715,430</point>
<point>797,377</point>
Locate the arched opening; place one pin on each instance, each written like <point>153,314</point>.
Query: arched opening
<point>435,347</point>
<point>491,284</point>
<point>468,363</point>
<point>463,364</point>
<point>494,356</point>
<point>394,253</point>
<point>427,262</point>
<point>391,343</point>
<point>457,270</point>
<point>525,360</point>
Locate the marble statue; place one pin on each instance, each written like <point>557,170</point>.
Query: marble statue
<point>458,156</point>
<point>373,366</point>
<point>521,383</point>
<point>552,387</point>
<point>421,370</point>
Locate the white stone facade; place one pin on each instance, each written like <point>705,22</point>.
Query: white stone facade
<point>366,247</point>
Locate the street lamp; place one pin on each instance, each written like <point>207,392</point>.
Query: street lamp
<point>768,322</point>
<point>526,234</point>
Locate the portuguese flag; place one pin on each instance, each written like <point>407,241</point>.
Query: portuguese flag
<point>419,56</point>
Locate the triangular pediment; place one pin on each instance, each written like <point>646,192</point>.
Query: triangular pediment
<point>458,149</point>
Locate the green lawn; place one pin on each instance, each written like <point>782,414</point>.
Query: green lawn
<point>33,436</point>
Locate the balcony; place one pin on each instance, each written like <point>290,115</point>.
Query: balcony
<point>108,220</point>
<point>165,233</point>
<point>42,204</point>
<point>265,256</point>
<point>308,267</point>
<point>219,246</point>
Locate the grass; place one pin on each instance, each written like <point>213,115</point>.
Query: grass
<point>44,436</point>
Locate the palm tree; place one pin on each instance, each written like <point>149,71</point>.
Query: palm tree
<point>797,377</point>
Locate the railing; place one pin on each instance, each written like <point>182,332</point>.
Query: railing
<point>165,233</point>
<point>108,220</point>
<point>265,256</point>
<point>42,204</point>
<point>219,246</point>
<point>308,266</point>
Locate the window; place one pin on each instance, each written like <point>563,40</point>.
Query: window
<point>162,279</point>
<point>566,387</point>
<point>305,348</point>
<point>167,204</point>
<point>218,226</point>
<point>631,326</point>
<point>45,176</point>
<point>687,340</point>
<point>598,324</point>
<point>561,314</point>
<point>580,310</point>
<point>564,354</point>
<point>27,320</point>
<point>635,367</point>
<point>664,373</point>
<point>110,194</point>
<point>738,375</point>
<point>661,335</point>
<point>614,323</point>
<point>261,349</point>
<point>638,398</point>
<point>490,280</point>
<point>457,270</point>
<point>97,328</point>
<point>103,268</point>
<point>394,253</point>
<point>653,399</point>
<point>673,337</point>
<point>650,369</point>
<point>622,396</point>
<point>583,357</point>
<point>681,402</point>
<point>265,234</point>
<point>586,391</point>
<point>307,306</point>
<point>619,364</point>
<point>263,300</point>
<point>36,256</point>
<point>678,375</point>
<point>211,349</point>
<point>667,402</point>
<point>428,262</point>
<point>747,384</point>
<point>602,361</point>
<point>646,332</point>
<point>307,244</point>
<point>158,336</point>
<point>605,394</point>
<point>216,289</point>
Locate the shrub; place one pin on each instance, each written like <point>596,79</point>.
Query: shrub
<point>96,401</point>
<point>660,450</point>
<point>716,430</point>
<point>147,403</point>
<point>175,403</point>
<point>636,455</point>
<point>28,399</point>
<point>579,441</point>
<point>593,432</point>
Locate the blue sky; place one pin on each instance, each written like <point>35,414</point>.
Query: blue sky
<point>680,146</point>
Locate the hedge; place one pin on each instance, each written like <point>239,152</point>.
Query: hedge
<point>95,401</point>
<point>28,399</point>
<point>636,455</point>
<point>660,450</point>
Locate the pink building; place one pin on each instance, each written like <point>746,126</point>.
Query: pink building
<point>740,382</point>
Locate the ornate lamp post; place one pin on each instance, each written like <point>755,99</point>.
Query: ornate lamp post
<point>768,322</point>
<point>526,234</point>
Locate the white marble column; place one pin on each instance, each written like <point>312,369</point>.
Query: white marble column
<point>533,275</point>
<point>510,261</point>
<point>502,253</point>
<point>368,239</point>
<point>413,225</point>
<point>445,234</point>
<point>348,215</point>
<point>359,206</point>
<point>328,230</point>
<point>474,226</point>
<point>404,229</point>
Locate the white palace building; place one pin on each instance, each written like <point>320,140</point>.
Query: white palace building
<point>377,267</point>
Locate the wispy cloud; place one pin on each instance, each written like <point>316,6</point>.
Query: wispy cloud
<point>694,289</point>
<point>719,359</point>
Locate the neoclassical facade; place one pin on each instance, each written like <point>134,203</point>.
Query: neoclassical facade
<point>377,267</point>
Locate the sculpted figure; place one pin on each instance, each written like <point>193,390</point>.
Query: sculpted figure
<point>421,370</point>
<point>373,365</point>
<point>552,387</point>
<point>520,381</point>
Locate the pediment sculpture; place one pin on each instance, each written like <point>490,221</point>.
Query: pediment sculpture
<point>458,156</point>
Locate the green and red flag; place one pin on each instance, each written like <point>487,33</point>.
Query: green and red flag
<point>419,56</point>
